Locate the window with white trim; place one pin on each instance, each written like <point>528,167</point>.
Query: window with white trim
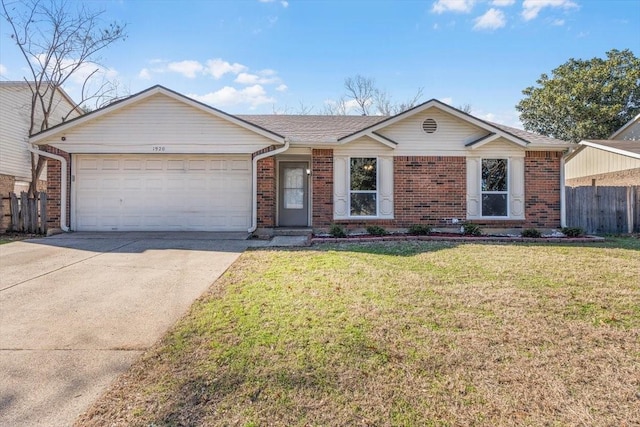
<point>363,186</point>
<point>495,187</point>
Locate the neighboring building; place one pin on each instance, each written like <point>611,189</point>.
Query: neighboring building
<point>15,113</point>
<point>161,161</point>
<point>610,162</point>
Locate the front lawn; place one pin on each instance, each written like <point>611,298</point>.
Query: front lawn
<point>406,334</point>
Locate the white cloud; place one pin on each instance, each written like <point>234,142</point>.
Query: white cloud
<point>502,3</point>
<point>187,68</point>
<point>253,95</point>
<point>558,22</point>
<point>281,88</point>
<point>461,6</point>
<point>531,8</point>
<point>144,74</point>
<point>284,3</point>
<point>263,77</point>
<point>447,100</point>
<point>3,69</point>
<point>491,20</point>
<point>218,68</point>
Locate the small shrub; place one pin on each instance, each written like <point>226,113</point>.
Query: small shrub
<point>573,231</point>
<point>420,229</point>
<point>471,229</point>
<point>376,230</point>
<point>337,231</point>
<point>531,232</point>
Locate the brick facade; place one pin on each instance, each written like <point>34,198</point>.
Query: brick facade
<point>266,200</point>
<point>432,190</point>
<point>54,185</point>
<point>322,187</point>
<point>429,190</point>
<point>542,189</point>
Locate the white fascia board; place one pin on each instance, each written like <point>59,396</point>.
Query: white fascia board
<point>610,149</point>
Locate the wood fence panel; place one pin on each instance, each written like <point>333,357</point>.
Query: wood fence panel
<point>28,215</point>
<point>604,210</point>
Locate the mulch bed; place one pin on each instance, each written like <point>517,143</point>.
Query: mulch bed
<point>453,237</point>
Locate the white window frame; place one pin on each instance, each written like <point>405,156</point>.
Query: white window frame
<point>376,192</point>
<point>506,192</point>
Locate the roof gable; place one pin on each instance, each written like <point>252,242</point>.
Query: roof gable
<point>434,103</point>
<point>144,97</point>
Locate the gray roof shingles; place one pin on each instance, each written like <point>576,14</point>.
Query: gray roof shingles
<point>312,128</point>
<point>322,128</point>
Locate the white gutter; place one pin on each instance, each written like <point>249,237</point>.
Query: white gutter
<point>254,192</point>
<point>63,183</point>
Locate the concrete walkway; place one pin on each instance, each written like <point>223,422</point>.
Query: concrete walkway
<point>77,309</point>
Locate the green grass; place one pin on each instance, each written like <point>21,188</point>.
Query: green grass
<point>400,334</point>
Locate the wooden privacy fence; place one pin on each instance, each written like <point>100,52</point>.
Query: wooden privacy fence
<point>604,210</point>
<point>26,214</point>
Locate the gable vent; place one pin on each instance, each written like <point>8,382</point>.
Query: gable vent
<point>429,126</point>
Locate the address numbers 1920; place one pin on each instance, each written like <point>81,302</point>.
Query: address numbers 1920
<point>158,148</point>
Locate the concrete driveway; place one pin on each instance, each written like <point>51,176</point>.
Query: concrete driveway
<point>77,309</point>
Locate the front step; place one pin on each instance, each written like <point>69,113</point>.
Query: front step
<point>298,231</point>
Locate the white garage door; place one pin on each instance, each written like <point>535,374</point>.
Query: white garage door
<point>162,193</point>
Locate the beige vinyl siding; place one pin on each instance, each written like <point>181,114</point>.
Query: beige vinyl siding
<point>363,147</point>
<point>448,140</point>
<point>15,113</point>
<point>160,124</point>
<point>593,161</point>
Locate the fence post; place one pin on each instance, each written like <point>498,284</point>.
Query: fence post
<point>15,212</point>
<point>43,212</point>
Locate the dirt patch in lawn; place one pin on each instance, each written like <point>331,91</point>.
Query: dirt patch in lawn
<point>410,333</point>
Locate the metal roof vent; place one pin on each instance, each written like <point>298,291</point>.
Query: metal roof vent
<point>429,126</point>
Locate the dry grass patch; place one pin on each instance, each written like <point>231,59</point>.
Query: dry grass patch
<point>400,334</point>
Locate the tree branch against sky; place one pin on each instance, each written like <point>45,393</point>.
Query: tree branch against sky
<point>59,40</point>
<point>584,98</point>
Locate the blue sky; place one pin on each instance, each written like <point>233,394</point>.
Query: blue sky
<point>264,56</point>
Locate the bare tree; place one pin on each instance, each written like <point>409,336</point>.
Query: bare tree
<point>361,90</point>
<point>385,106</point>
<point>465,108</point>
<point>336,108</point>
<point>304,110</point>
<point>58,39</point>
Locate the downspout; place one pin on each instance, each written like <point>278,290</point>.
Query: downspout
<point>254,192</point>
<point>563,193</point>
<point>63,183</point>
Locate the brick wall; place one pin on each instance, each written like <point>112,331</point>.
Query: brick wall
<point>429,190</point>
<point>266,201</point>
<point>611,179</point>
<point>542,189</point>
<point>432,190</point>
<point>322,184</point>
<point>54,185</point>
